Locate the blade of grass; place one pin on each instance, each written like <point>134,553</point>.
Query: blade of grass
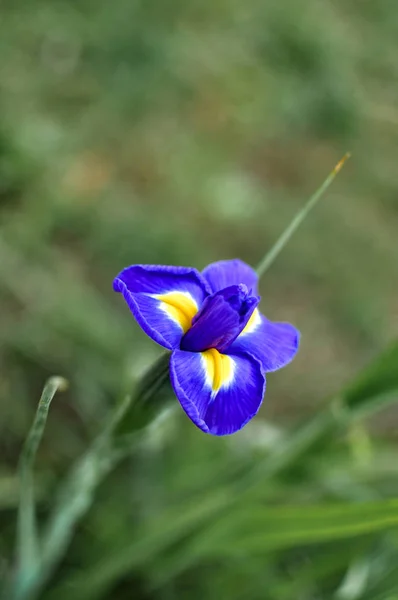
<point>74,500</point>
<point>262,529</point>
<point>269,258</point>
<point>27,540</point>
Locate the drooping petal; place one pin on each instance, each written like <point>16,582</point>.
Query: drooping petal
<point>273,344</point>
<point>220,320</point>
<point>163,299</point>
<point>224,273</point>
<point>219,393</point>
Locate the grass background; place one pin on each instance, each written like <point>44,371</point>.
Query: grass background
<point>182,133</point>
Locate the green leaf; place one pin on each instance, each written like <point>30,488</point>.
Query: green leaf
<point>258,529</point>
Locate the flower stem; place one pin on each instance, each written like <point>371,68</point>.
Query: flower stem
<point>269,258</point>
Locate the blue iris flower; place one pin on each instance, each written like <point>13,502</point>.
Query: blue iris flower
<point>221,345</point>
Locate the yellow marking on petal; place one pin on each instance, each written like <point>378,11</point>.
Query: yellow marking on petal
<point>180,306</point>
<point>219,368</point>
<point>252,323</point>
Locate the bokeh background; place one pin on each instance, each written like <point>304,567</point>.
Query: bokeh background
<point>183,132</point>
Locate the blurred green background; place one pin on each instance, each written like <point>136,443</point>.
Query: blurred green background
<point>183,133</point>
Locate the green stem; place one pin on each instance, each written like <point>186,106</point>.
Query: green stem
<point>150,395</point>
<point>269,258</point>
<point>28,552</point>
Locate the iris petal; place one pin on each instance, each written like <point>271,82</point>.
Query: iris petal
<point>163,299</point>
<point>273,344</point>
<point>221,318</point>
<point>179,306</point>
<point>224,273</point>
<point>219,393</point>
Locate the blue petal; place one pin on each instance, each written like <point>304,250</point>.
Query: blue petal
<point>219,393</point>
<point>273,344</point>
<point>163,299</point>
<point>220,320</point>
<point>224,273</point>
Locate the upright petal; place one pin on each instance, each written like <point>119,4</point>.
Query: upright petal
<point>219,393</point>
<point>220,320</point>
<point>223,273</point>
<point>273,344</point>
<point>163,299</point>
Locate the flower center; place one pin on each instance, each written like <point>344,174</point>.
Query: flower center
<point>220,320</point>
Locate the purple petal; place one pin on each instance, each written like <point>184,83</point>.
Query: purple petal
<point>224,273</point>
<point>220,320</point>
<point>163,299</point>
<point>219,393</point>
<point>273,344</point>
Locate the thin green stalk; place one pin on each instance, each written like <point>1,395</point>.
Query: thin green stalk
<point>27,541</point>
<point>269,258</point>
<point>36,564</point>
